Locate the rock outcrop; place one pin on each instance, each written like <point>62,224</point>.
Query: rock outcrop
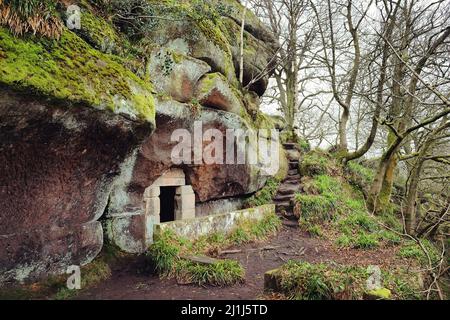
<point>86,126</point>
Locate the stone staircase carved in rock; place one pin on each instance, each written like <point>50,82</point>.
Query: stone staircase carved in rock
<point>284,199</point>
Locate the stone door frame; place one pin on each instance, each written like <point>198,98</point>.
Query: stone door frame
<point>184,196</point>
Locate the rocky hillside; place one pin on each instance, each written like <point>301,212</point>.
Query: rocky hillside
<point>86,117</point>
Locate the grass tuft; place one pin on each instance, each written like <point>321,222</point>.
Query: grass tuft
<point>167,252</point>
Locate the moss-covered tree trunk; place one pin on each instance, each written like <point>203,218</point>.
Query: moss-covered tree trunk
<point>384,197</point>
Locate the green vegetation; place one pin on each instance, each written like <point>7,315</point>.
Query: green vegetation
<point>413,250</point>
<point>70,70</point>
<point>92,274</point>
<point>317,162</point>
<point>359,175</point>
<point>360,171</point>
<point>265,195</point>
<point>305,281</point>
<point>99,33</point>
<point>289,136</point>
<point>167,253</point>
<point>313,229</point>
<point>338,206</point>
<point>315,208</point>
<point>34,16</point>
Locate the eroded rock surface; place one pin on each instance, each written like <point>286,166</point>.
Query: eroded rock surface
<point>86,123</point>
<point>58,164</point>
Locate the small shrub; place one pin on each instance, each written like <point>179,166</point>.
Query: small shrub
<point>135,18</point>
<point>304,145</point>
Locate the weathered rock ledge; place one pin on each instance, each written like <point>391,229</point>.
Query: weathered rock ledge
<point>86,125</point>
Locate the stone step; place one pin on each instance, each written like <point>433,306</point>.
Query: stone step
<point>284,197</point>
<point>283,203</point>
<point>290,145</point>
<point>293,165</point>
<point>288,188</point>
<point>291,223</point>
<point>291,182</point>
<point>283,206</point>
<point>293,172</point>
<point>293,155</point>
<point>296,178</point>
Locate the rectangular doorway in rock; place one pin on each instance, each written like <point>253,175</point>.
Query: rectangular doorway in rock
<point>167,200</point>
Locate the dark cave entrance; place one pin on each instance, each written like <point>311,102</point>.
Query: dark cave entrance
<point>167,200</point>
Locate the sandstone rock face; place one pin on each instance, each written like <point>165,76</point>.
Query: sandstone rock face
<point>176,74</point>
<point>78,142</point>
<point>32,254</point>
<point>210,182</point>
<point>218,43</point>
<point>186,37</point>
<point>214,91</point>
<point>57,168</point>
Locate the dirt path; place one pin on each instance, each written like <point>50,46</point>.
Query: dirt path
<point>290,243</point>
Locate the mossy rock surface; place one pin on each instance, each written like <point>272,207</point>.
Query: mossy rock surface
<point>70,70</point>
<point>380,294</point>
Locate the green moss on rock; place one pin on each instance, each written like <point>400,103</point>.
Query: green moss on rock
<point>99,33</point>
<point>69,69</point>
<point>380,294</point>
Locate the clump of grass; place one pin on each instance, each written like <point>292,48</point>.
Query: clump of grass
<point>306,281</point>
<point>313,229</point>
<point>221,273</point>
<point>358,220</point>
<point>167,252</point>
<point>366,241</point>
<point>317,163</point>
<point>265,195</point>
<point>344,241</point>
<point>360,174</point>
<point>315,208</point>
<point>166,255</point>
<point>256,231</point>
<point>31,16</point>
